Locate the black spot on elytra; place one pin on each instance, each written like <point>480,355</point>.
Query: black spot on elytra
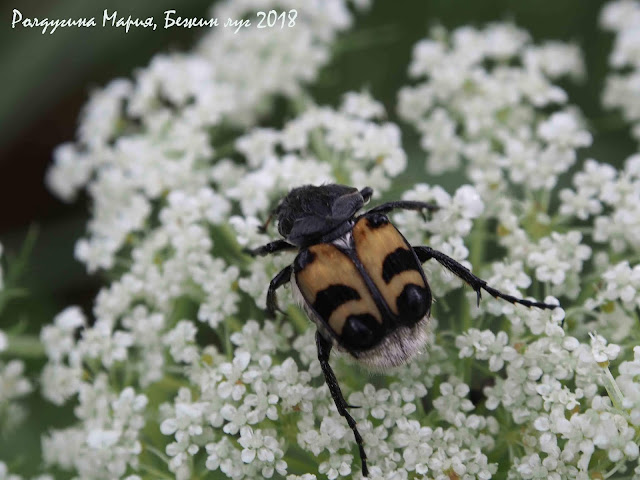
<point>361,332</point>
<point>413,303</point>
<point>332,297</point>
<point>398,261</point>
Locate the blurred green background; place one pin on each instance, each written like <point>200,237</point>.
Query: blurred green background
<point>47,78</point>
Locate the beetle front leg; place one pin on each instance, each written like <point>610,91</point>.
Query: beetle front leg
<point>269,248</point>
<point>427,253</point>
<point>324,349</point>
<point>283,277</point>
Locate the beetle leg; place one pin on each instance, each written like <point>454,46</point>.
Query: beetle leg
<point>276,282</point>
<point>427,253</point>
<point>324,349</point>
<point>405,205</point>
<point>269,248</point>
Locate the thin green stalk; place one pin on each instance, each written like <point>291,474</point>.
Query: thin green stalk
<point>157,453</point>
<point>476,257</point>
<point>614,469</point>
<point>228,349</point>
<point>545,200</point>
<point>25,346</point>
<point>154,471</point>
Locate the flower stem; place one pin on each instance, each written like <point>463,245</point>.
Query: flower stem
<point>25,346</point>
<point>613,390</point>
<point>155,472</point>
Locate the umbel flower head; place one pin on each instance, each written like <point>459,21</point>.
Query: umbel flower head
<point>177,372</point>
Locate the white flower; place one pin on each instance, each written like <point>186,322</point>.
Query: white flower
<point>486,345</point>
<point>13,383</point>
<point>559,259</point>
<point>232,386</point>
<point>181,342</point>
<point>72,171</point>
<point>361,105</point>
<point>622,283</point>
<point>603,353</point>
<point>336,466</point>
<point>555,59</point>
<point>255,445</point>
<point>58,339</point>
<point>101,341</point>
<point>562,130</point>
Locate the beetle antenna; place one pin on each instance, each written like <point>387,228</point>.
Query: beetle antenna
<point>263,228</point>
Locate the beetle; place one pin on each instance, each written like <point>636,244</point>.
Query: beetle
<point>358,279</point>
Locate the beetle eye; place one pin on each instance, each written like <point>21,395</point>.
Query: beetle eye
<point>359,331</point>
<point>413,303</point>
<point>284,226</point>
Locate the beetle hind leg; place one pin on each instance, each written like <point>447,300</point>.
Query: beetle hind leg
<point>324,349</point>
<point>427,253</point>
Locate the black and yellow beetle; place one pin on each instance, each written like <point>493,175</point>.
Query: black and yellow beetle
<point>358,279</point>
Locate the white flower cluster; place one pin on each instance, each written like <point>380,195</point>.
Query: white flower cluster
<point>140,139</point>
<point>563,428</point>
<point>554,384</point>
<point>178,373</point>
<point>239,397</point>
<point>621,90</point>
<point>13,386</point>
<point>622,283</point>
<point>600,187</point>
<point>106,443</point>
<point>480,101</point>
<point>558,259</point>
<point>353,146</point>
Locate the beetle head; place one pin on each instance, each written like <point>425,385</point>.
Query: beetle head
<point>310,214</point>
